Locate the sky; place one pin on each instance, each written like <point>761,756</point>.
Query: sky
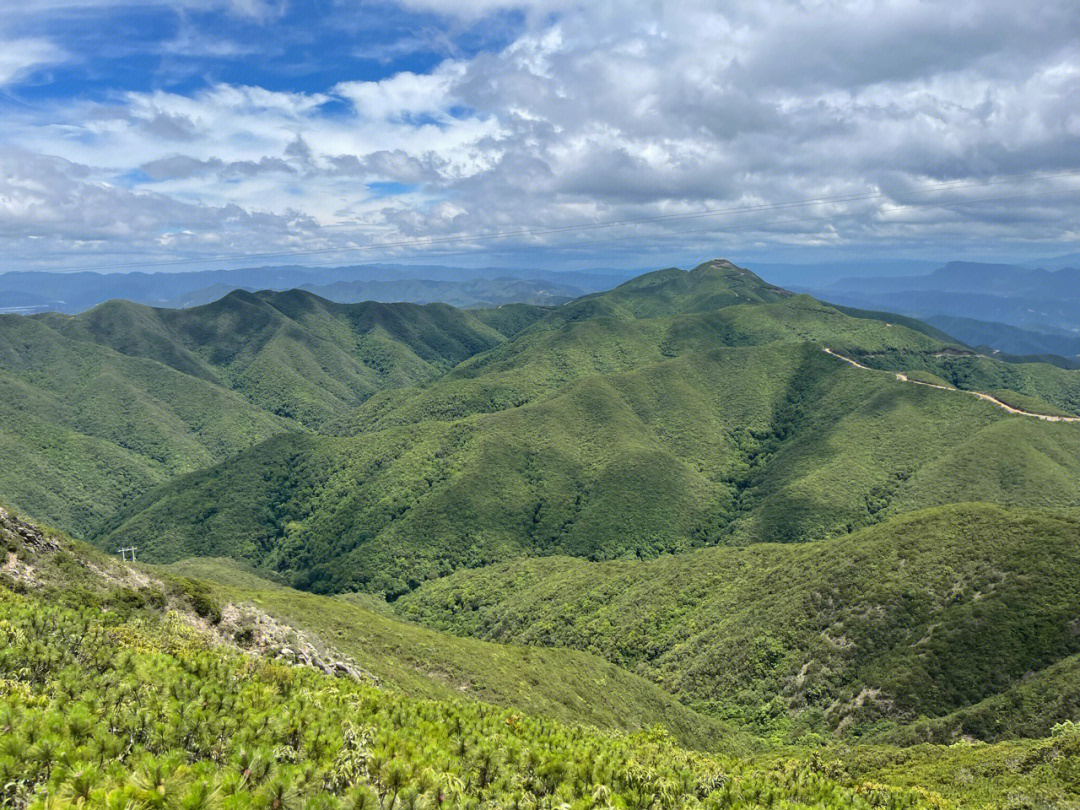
<point>217,133</point>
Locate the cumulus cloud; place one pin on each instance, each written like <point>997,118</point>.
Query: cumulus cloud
<point>612,111</point>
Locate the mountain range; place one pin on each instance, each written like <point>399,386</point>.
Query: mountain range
<point>698,521</point>
<point>27,292</point>
<point>1013,309</point>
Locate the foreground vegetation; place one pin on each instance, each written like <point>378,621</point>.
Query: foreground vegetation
<point>118,690</point>
<point>566,685</point>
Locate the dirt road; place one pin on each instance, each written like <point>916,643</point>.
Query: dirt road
<point>904,378</point>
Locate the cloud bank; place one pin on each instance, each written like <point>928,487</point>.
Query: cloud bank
<point>587,113</point>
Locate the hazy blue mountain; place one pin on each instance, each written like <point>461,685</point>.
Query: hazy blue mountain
<point>975,277</point>
<point>816,275</point>
<point>1006,338</point>
<point>475,293</point>
<point>1034,300</point>
<point>35,291</point>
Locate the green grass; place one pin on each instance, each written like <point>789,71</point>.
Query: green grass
<point>108,712</point>
<point>912,619</point>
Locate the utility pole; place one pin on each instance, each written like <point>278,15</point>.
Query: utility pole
<point>123,552</point>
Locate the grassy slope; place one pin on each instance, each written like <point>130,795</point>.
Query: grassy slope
<point>922,615</point>
<point>567,685</point>
<point>1043,383</point>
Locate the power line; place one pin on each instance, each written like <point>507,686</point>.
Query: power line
<point>434,241</point>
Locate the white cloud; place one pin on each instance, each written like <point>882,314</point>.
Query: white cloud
<point>405,94</point>
<point>607,111</point>
<point>18,57</point>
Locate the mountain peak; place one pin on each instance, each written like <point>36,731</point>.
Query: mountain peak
<point>718,264</point>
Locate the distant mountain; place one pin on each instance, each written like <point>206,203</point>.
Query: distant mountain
<point>102,406</point>
<point>1033,300</point>
<point>1006,338</point>
<point>1058,262</point>
<point>476,293</point>
<point>25,292</point>
<point>975,278</point>
<point>823,273</point>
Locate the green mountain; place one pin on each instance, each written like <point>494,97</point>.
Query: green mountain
<point>100,407</point>
<point>677,411</point>
<point>154,689</point>
<point>692,542</point>
<point>290,353</point>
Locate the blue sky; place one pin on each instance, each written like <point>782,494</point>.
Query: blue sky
<point>299,47</point>
<point>427,130</point>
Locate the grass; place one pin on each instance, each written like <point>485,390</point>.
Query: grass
<point>113,695</point>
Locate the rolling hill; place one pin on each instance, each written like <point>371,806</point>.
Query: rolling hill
<point>148,691</point>
<point>152,688</point>
<point>102,406</point>
<point>682,409</point>
<point>696,512</point>
<point>1020,298</point>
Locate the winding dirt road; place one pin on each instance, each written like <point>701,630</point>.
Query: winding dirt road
<point>904,378</point>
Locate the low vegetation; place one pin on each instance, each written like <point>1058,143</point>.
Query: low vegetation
<point>650,549</point>
<point>567,685</point>
<point>944,614</point>
<point>114,695</point>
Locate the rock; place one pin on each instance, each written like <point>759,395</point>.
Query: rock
<point>30,535</point>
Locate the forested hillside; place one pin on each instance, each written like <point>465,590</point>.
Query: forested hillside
<point>102,406</point>
<point>729,546</point>
<point>929,615</point>
<point>680,410</point>
<point>135,686</point>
